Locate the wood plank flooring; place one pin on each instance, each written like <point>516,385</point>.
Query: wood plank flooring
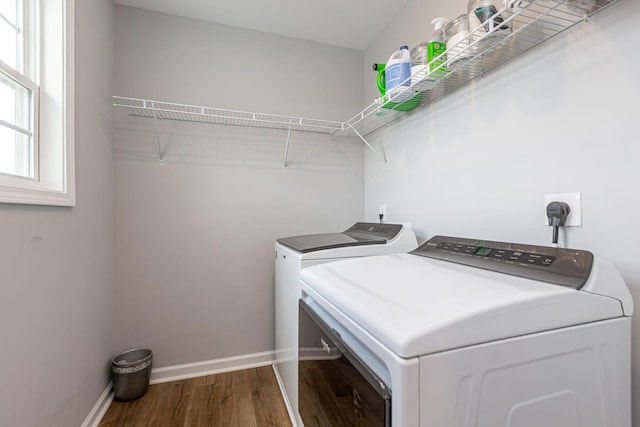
<point>248,398</point>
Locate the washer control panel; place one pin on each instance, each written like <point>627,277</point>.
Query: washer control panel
<point>566,267</point>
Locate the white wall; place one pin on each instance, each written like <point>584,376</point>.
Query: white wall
<point>195,237</point>
<point>56,264</point>
<point>561,118</point>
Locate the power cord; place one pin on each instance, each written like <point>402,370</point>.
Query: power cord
<point>557,212</point>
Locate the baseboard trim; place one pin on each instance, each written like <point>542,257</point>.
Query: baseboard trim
<point>100,408</point>
<point>210,367</point>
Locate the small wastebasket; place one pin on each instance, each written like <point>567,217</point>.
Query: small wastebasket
<point>130,372</point>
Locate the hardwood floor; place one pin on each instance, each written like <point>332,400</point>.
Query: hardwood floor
<point>248,398</point>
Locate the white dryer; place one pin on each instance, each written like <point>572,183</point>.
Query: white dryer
<point>464,332</point>
<point>298,252</point>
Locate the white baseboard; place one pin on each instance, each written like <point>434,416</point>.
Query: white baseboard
<point>210,367</point>
<point>100,408</point>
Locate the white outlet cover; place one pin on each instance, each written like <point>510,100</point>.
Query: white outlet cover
<point>574,200</point>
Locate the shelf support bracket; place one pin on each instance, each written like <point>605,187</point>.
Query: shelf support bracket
<point>286,150</point>
<point>382,156</point>
<point>155,127</point>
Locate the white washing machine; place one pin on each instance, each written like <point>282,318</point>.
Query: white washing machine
<point>463,332</point>
<point>298,252</point>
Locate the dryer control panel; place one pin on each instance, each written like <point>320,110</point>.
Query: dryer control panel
<point>372,230</point>
<point>559,266</point>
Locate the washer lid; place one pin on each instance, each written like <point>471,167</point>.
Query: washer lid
<point>318,242</point>
<point>359,234</point>
<point>416,305</point>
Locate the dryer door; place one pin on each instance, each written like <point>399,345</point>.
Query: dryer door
<point>335,388</point>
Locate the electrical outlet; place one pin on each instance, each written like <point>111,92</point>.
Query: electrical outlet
<point>383,212</point>
<point>575,205</point>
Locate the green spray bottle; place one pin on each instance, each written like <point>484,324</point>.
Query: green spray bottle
<point>436,48</point>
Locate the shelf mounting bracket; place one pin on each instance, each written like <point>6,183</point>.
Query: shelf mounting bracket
<point>155,127</point>
<point>286,150</point>
<point>382,156</point>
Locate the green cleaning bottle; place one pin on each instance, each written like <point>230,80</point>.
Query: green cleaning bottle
<point>436,48</point>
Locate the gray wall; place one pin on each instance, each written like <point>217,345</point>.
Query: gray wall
<point>56,264</point>
<point>558,119</point>
<point>194,237</point>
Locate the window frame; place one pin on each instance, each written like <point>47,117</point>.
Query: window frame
<point>53,183</point>
<point>32,131</point>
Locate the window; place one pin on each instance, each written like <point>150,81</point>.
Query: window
<point>36,134</point>
<point>18,93</point>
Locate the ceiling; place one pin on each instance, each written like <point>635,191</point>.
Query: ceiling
<point>353,24</point>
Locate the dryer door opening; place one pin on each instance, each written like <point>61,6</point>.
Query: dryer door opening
<point>335,388</point>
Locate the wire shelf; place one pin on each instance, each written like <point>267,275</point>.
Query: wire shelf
<point>160,110</point>
<point>530,23</point>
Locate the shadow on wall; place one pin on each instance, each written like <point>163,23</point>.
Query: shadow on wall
<point>232,146</point>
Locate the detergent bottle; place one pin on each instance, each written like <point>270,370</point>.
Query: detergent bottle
<point>398,76</point>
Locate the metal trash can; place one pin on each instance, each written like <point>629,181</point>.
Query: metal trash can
<point>130,372</point>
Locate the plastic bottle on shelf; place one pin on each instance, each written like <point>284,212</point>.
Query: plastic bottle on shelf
<point>419,55</point>
<point>487,17</point>
<point>398,76</point>
<point>437,48</point>
<point>456,38</point>
<point>425,68</point>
